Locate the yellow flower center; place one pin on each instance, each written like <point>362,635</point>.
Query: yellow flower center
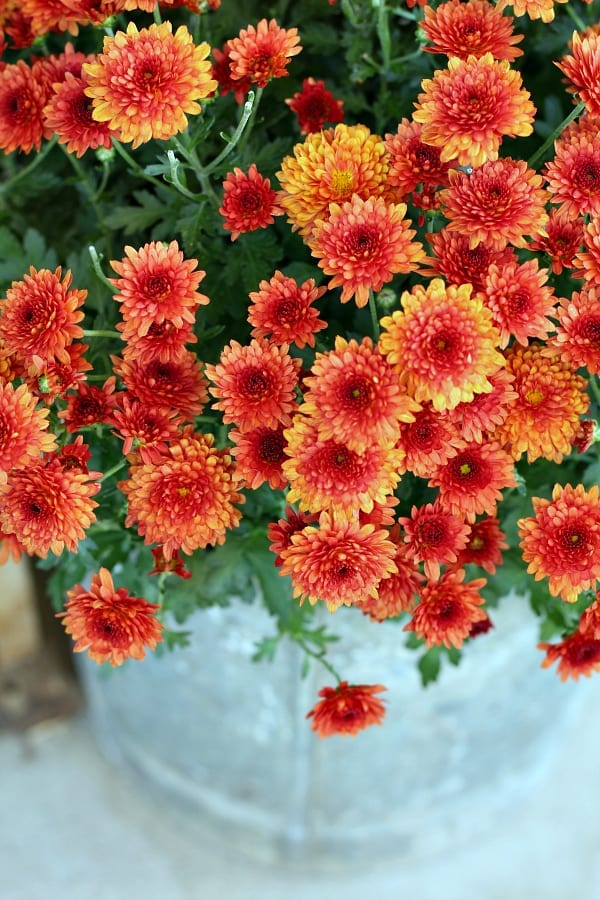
<point>342,182</point>
<point>534,397</point>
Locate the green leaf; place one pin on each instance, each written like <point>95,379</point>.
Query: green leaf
<point>429,665</point>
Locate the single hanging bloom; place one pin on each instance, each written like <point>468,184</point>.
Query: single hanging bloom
<point>263,53</point>
<point>347,709</point>
<point>249,202</point>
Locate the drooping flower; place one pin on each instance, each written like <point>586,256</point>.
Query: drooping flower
<point>582,69</point>
<point>577,654</point>
<point>69,115</point>
<point>520,301</point>
<point>564,236</point>
<point>458,263</point>
<point>354,396</point>
<point>22,101</point>
<point>434,537</point>
<point>145,428</point>
<point>471,481</point>
<point>48,507</point>
<point>544,418</point>
<point>175,564</point>
<point>340,562</point>
<point>479,418</point>
<point>40,315</point>
<point>185,499</point>
<point>363,244</point>
<point>157,285</point>
<point>23,428</point>
<point>469,107</point>
<point>535,9</point>
<point>145,83</point>
<point>561,541</point>
<point>396,593</point>
<point>578,330</point>
<point>485,544</point>
<point>177,384</point>
<point>412,161</point>
<point>329,167</point>
<point>108,622</point>
<point>347,709</point>
<point>573,175</point>
<point>283,310</point>
<point>90,404</point>
<point>470,29</point>
<point>315,106</point>
<point>448,609</point>
<point>429,441</point>
<point>263,53</point>
<point>442,344</point>
<point>499,203</point>
<point>249,202</point>
<point>259,456</point>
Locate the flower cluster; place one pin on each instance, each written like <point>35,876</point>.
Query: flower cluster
<point>256,299</point>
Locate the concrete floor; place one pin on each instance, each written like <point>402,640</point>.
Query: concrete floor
<point>71,828</point>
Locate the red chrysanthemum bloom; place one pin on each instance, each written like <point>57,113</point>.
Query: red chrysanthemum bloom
<point>470,29</point>
<point>448,609</point>
<point>280,532</point>
<point>109,622</point>
<point>39,316</point>
<point>578,654</point>
<point>145,428</point>
<point>314,106</point>
<point>164,342</point>
<point>354,396</point>
<point>340,562</point>
<point>535,9</point>
<point>328,475</point>
<point>469,107</point>
<point>175,565</point>
<point>479,418</point>
<point>578,331</point>
<point>396,593</point>
<point>481,627</point>
<point>22,101</point>
<point>485,544</point>
<point>157,285</point>
<point>588,259</point>
<point>89,405</point>
<point>249,202</point>
<point>442,344</point>
<point>520,301</point>
<point>561,541</point>
<point>582,69</point>
<point>23,428</point>
<point>75,455</point>
<point>184,500</point>
<point>589,623</point>
<point>283,310</point>
<point>499,203</point>
<point>434,537</point>
<point>53,379</point>
<point>472,480</point>
<point>18,27</point>
<point>48,507</point>
<point>176,384</point>
<point>53,69</point>
<point>458,263</point>
<point>69,115</point>
<point>145,83</point>
<point>363,244</point>
<point>259,456</point>
<point>263,53</point>
<point>584,437</point>
<point>412,161</point>
<point>564,237</point>
<point>429,441</point>
<point>573,175</point>
<point>94,12</point>
<point>544,418</point>
<point>50,15</point>
<point>254,384</point>
<point>329,167</point>
<point>221,72</point>
<point>347,709</point>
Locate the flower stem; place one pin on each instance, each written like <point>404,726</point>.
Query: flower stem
<point>7,185</point>
<point>98,269</point>
<point>558,130</point>
<point>120,465</point>
<point>374,317</point>
<point>575,16</point>
<point>248,115</point>
<point>94,333</point>
<point>318,656</point>
<point>133,165</point>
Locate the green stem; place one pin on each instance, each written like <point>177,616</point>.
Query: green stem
<point>248,114</point>
<point>135,166</point>
<point>7,185</point>
<point>98,268</point>
<point>318,656</point>
<point>87,332</point>
<point>120,465</point>
<point>374,317</point>
<point>156,14</point>
<point>575,16</point>
<point>558,130</point>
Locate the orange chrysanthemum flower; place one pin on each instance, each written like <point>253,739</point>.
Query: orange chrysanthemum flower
<point>573,175</point>
<point>470,29</point>
<point>69,115</point>
<point>184,499</point>
<point>283,310</point>
<point>340,562</point>
<point>145,83</point>
<point>564,237</point>
<point>458,263</point>
<point>582,69</point>
<point>472,481</point>
<point>22,101</point>
<point>39,316</point>
<point>52,15</point>
<point>499,203</point>
<point>363,244</point>
<point>164,342</point>
<point>263,53</point>
<point>429,441</point>
<point>280,532</point>
<point>109,622</point>
<point>588,259</point>
<point>157,285</point>
<point>146,429</point>
<point>23,428</point>
<point>329,167</point>
<point>347,709</point>
<point>254,384</point>
<point>221,72</point>
<point>442,343</point>
<point>396,593</point>
<point>561,541</point>
<point>519,300</point>
<point>176,384</point>
<point>485,545</point>
<point>328,475</point>
<point>48,507</point>
<point>259,456</point>
<point>544,419</point>
<point>589,623</point>
<point>535,9</point>
<point>578,331</point>
<point>89,405</point>
<point>434,537</point>
<point>469,107</point>
<point>412,161</point>
<point>448,609</point>
<point>314,106</point>
<point>354,396</point>
<point>249,202</point>
<point>578,654</point>
<point>54,379</point>
<point>479,418</point>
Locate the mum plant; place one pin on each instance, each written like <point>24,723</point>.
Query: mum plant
<point>302,303</point>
